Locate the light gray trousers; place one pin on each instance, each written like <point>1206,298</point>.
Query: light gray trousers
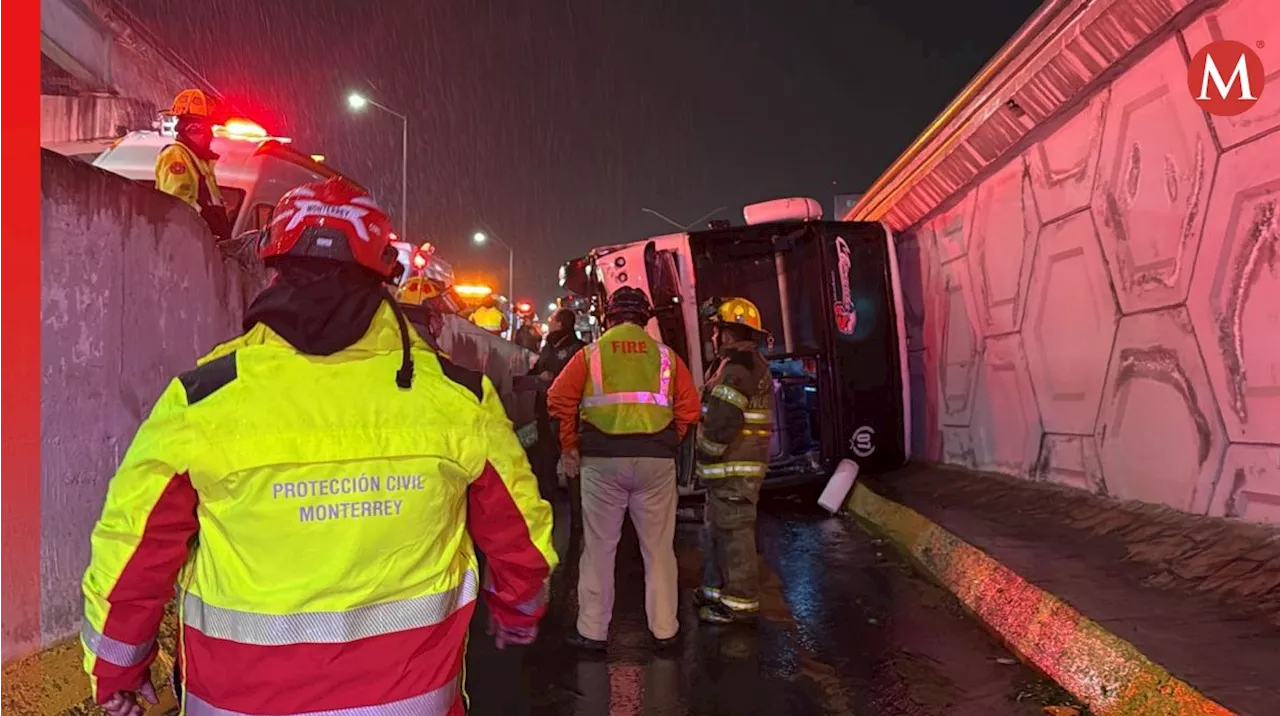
<point>645,487</point>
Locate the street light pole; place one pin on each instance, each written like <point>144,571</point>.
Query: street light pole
<point>358,102</point>
<point>482,236</point>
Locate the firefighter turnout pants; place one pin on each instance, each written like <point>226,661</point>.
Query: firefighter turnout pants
<point>729,570</point>
<point>612,487</point>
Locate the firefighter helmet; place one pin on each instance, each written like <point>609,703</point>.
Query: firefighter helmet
<point>191,103</point>
<point>333,220</point>
<point>737,311</point>
<point>628,302</point>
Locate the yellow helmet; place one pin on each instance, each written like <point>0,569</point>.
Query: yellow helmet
<point>416,291</point>
<point>735,310</point>
<point>192,102</point>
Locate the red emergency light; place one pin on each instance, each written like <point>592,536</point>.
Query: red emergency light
<point>524,307</point>
<point>245,130</point>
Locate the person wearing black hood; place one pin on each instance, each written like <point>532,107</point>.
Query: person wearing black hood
<point>317,488</point>
<point>184,169</point>
<point>561,345</point>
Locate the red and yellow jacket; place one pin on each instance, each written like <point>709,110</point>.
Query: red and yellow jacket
<point>321,526</point>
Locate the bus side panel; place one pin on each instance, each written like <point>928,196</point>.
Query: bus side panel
<point>865,336</point>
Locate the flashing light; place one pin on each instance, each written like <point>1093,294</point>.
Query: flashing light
<point>393,236</point>
<point>472,291</point>
<point>524,307</point>
<point>419,259</point>
<point>246,130</point>
<point>552,306</point>
<point>317,158</point>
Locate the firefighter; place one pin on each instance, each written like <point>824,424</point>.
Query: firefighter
<point>732,459</point>
<point>317,488</point>
<point>489,317</point>
<point>185,168</point>
<point>624,403</point>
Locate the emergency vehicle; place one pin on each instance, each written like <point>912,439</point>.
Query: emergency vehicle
<point>254,169</point>
<point>830,296</point>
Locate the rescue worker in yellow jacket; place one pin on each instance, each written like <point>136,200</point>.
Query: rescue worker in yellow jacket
<point>317,489</point>
<point>732,459</point>
<point>624,403</point>
<point>489,317</point>
<point>184,169</point>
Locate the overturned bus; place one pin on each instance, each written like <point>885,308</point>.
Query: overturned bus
<point>830,296</point>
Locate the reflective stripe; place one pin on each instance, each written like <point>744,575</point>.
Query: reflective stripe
<point>596,366</point>
<point>730,395</point>
<point>739,605</point>
<point>111,650</point>
<point>538,601</point>
<point>758,417</point>
<point>711,592</point>
<point>432,703</point>
<point>598,397</point>
<point>327,627</point>
<point>733,469</point>
<point>711,448</point>
<point>636,398</point>
<point>754,433</point>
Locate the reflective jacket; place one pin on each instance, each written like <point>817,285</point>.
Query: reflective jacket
<point>180,173</point>
<point>626,395</point>
<point>321,525</point>
<point>737,415</point>
<point>490,319</point>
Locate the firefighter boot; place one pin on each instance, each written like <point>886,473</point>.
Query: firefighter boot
<point>724,614</point>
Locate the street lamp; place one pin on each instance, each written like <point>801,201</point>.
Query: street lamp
<point>481,238</point>
<point>552,306</point>
<point>358,102</point>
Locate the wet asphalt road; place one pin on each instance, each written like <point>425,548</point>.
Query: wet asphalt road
<point>846,628</point>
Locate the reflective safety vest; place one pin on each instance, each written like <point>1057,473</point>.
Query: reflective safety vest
<point>629,391</point>
<point>487,318</point>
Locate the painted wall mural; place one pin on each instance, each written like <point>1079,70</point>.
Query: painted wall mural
<point>1103,311</point>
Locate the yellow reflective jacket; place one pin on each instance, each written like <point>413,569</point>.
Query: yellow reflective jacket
<point>320,523</point>
<point>490,319</point>
<point>180,173</point>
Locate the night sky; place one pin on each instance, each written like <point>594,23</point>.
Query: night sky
<point>554,121</point>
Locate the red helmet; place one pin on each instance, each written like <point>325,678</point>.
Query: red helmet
<point>333,220</point>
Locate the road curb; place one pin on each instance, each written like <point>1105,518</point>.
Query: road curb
<point>1099,668</point>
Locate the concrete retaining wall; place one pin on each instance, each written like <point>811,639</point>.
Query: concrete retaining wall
<point>1103,309</point>
<point>133,290</point>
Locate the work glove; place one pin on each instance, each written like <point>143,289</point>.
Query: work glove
<point>125,703</point>
<point>503,634</point>
<point>570,463</point>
